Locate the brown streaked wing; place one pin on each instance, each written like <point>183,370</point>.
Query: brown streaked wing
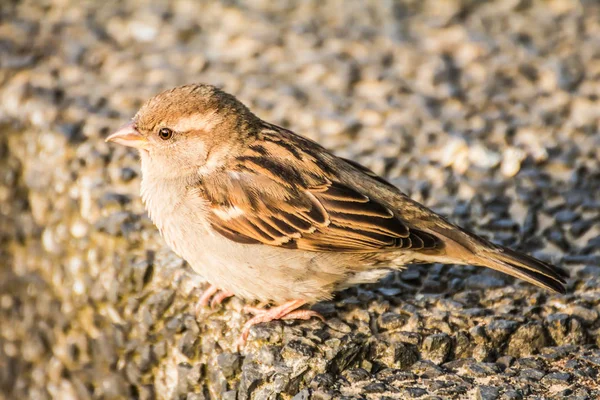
<point>290,197</point>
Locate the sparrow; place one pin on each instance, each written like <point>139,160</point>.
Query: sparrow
<point>268,215</point>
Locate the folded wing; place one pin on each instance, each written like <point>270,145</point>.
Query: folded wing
<point>279,196</point>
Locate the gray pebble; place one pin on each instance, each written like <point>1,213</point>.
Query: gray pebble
<point>565,329</point>
<point>487,393</point>
<point>303,395</point>
<point>527,339</point>
<point>229,364</point>
<point>437,347</point>
<point>555,378</point>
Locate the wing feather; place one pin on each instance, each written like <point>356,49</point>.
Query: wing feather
<point>281,196</point>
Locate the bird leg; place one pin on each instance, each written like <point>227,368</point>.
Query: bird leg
<point>287,310</point>
<point>213,296</point>
<point>206,296</point>
<point>220,297</point>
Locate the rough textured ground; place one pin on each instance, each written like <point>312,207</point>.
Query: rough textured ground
<point>486,111</point>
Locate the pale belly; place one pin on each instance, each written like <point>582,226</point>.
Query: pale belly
<point>266,273</point>
<point>255,272</point>
<point>259,272</point>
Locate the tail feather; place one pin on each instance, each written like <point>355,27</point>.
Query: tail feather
<point>525,267</point>
<point>465,247</point>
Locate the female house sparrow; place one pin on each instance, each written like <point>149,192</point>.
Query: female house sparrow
<point>268,215</point>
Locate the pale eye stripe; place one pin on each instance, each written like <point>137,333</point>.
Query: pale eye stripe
<point>196,122</point>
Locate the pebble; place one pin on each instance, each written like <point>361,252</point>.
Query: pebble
<point>437,347</point>
<point>557,378</point>
<point>499,330</point>
<point>511,161</point>
<point>229,364</point>
<point>565,329</point>
<point>487,393</point>
<point>527,339</point>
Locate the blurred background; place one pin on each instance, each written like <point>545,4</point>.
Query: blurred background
<point>487,112</point>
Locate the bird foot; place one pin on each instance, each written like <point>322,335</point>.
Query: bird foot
<point>285,311</point>
<point>213,296</point>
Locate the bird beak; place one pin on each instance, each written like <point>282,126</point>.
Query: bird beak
<point>128,135</point>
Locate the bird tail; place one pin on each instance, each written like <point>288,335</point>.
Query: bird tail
<point>472,249</point>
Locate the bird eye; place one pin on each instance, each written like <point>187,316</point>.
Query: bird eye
<point>165,133</point>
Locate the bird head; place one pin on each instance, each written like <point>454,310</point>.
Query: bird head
<point>191,127</point>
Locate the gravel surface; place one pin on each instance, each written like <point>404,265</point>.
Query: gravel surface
<point>487,112</point>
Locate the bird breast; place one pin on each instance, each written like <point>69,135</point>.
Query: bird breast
<point>178,211</point>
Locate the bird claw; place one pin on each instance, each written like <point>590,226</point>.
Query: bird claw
<point>219,298</point>
<point>285,311</point>
<point>213,296</point>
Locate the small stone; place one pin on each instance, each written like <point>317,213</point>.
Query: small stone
<point>499,330</point>
<point>481,369</point>
<point>127,174</point>
<point>195,396</point>
<point>485,281</point>
<point>322,394</point>
<point>437,347</point>
<point>376,387</point>
<point>356,375</point>
<point>483,157</point>
<point>511,161</point>
<point>557,236</point>
<point>558,353</point>
<point>511,394</point>
<point>116,223</point>
<point>250,378</point>
<point>159,302</point>
<point>302,395</point>
<point>338,325</point>
<point>322,381</point>
<point>587,315</point>
<point>283,383</point>
<point>555,378</point>
<point>183,369</point>
<point>270,333</point>
<point>390,321</point>
<point>230,395</point>
<point>566,216</point>
<point>426,369</point>
<point>349,350</point>
<point>412,392</point>
<point>579,228</point>
<point>571,72</point>
<point>462,345</point>
<point>79,229</point>
<point>393,355</point>
<point>527,339</point>
<point>188,344</point>
<point>565,329</point>
<point>229,364</point>
<point>195,374</point>
<point>410,274</point>
<point>505,361</point>
<point>530,362</point>
<point>113,199</point>
<point>269,355</point>
<point>141,274</point>
<point>487,392</point>
<point>532,374</point>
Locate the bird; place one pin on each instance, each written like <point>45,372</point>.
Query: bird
<point>271,216</point>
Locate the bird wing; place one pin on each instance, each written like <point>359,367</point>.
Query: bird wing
<point>288,191</point>
<point>283,192</point>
